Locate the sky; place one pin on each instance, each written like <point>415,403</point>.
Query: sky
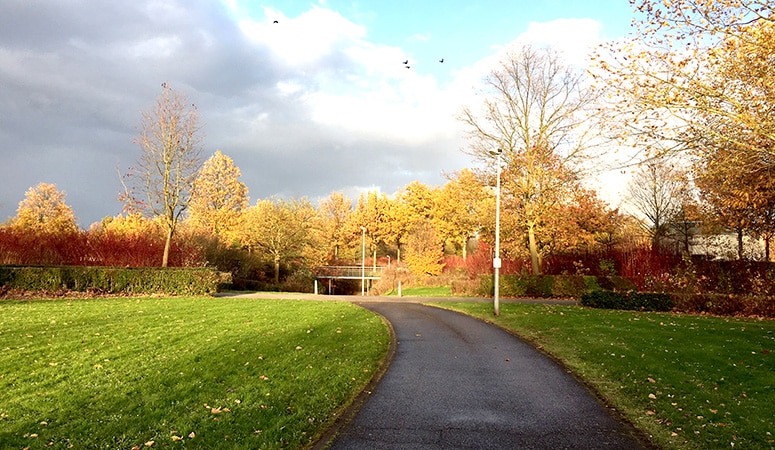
<point>318,102</point>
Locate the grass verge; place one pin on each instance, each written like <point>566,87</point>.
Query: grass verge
<point>180,372</point>
<point>689,381</point>
<point>424,291</point>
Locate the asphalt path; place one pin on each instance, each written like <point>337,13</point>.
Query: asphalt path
<point>457,382</point>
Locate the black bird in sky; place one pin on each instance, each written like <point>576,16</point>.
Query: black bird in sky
<point>406,62</point>
<point>441,60</point>
<point>275,22</point>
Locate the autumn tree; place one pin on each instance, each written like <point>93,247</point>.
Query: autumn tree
<point>693,71</point>
<point>424,249</point>
<point>741,200</point>
<point>413,203</point>
<point>44,210</point>
<point>659,191</point>
<point>459,208</point>
<point>373,213</point>
<point>335,211</point>
<point>279,229</point>
<point>218,197</point>
<point>538,112</point>
<point>170,161</point>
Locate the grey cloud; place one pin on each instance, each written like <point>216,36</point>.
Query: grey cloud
<point>75,77</point>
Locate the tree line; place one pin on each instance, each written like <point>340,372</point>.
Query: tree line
<point>691,92</point>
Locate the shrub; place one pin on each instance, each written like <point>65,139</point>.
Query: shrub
<point>638,301</point>
<point>543,286</point>
<point>726,304</point>
<point>109,280</point>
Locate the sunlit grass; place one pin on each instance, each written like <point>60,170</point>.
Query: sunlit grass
<point>690,381</point>
<point>424,291</point>
<point>201,372</point>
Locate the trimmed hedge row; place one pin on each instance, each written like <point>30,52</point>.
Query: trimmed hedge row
<point>563,286</point>
<point>112,280</point>
<point>634,301</point>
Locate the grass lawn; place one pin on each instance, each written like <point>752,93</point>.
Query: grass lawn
<point>180,372</point>
<point>689,381</point>
<point>424,291</point>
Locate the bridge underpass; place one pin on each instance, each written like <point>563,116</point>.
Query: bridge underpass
<point>367,275</point>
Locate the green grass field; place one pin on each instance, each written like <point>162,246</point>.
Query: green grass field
<point>689,381</point>
<point>180,372</point>
<point>424,291</point>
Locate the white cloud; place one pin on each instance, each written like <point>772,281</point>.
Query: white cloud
<point>302,40</point>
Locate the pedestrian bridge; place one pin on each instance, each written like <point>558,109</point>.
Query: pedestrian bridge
<point>366,274</point>
<point>349,272</point>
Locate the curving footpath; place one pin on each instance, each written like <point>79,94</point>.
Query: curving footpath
<point>458,383</point>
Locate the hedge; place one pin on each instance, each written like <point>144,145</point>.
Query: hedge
<point>637,301</point>
<point>544,286</point>
<point>112,280</point>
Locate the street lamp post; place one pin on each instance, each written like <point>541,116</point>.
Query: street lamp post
<point>496,261</point>
<point>363,261</point>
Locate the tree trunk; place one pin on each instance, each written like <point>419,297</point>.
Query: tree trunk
<point>465,248</point>
<point>167,244</point>
<point>276,270</point>
<point>740,245</point>
<point>531,238</point>
<point>767,248</point>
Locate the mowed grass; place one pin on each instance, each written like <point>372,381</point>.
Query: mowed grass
<point>180,372</point>
<point>689,381</point>
<point>424,291</point>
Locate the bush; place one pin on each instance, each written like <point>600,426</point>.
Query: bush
<point>109,280</point>
<point>637,301</point>
<point>544,286</point>
<point>726,304</point>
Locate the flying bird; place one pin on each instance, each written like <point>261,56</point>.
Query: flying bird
<point>406,62</point>
<point>441,60</point>
<point>275,22</point>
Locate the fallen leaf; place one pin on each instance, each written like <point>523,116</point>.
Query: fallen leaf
<point>651,380</point>
<point>652,396</point>
<point>215,410</point>
<point>149,443</point>
<point>298,347</point>
<point>650,413</point>
<point>192,435</point>
<point>177,438</point>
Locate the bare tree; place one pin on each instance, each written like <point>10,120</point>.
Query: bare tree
<point>538,111</point>
<point>659,192</point>
<point>170,161</point>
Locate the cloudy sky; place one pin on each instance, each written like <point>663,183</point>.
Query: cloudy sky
<point>318,102</point>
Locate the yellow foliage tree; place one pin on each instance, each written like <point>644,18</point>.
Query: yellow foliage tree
<point>335,212</point>
<point>44,210</point>
<point>218,197</point>
<point>424,249</point>
<point>281,229</point>
<point>459,209</point>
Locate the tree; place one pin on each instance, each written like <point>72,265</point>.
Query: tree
<point>170,161</point>
<point>458,209</point>
<point>424,249</point>
<point>658,191</point>
<point>44,210</point>
<point>218,196</point>
<point>538,112</point>
<point>693,71</point>
<point>280,228</point>
<point>742,200</point>
<point>372,212</point>
<point>335,212</point>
